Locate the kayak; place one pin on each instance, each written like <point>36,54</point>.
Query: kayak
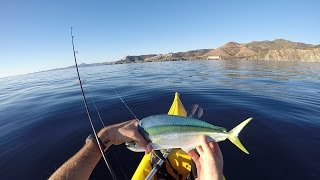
<point>178,162</point>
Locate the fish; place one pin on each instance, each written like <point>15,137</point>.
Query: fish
<point>170,131</point>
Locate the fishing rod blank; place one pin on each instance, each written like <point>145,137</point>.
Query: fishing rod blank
<point>88,113</point>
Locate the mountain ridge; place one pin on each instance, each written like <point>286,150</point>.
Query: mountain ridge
<point>277,50</point>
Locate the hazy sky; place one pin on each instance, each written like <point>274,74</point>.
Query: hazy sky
<point>35,34</point>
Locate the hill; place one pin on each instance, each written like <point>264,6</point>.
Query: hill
<point>263,47</point>
<point>231,50</point>
<point>278,50</point>
<point>179,56</point>
<point>303,55</point>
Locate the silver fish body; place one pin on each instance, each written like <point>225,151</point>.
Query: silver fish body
<point>167,131</point>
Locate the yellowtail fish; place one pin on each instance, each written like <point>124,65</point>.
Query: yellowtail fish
<point>166,132</point>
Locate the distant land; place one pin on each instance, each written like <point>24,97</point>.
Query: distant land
<point>276,50</point>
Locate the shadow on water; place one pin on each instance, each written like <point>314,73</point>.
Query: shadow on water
<point>43,122</point>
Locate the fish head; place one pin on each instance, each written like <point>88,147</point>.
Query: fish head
<point>134,147</point>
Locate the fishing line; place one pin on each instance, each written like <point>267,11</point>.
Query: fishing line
<point>88,113</point>
<point>125,103</point>
<point>114,154</point>
<point>90,94</point>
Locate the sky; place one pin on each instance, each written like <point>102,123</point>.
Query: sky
<point>35,34</point>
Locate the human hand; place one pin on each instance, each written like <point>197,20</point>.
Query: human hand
<point>123,132</point>
<point>210,162</point>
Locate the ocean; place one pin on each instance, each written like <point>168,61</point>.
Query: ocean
<point>43,121</point>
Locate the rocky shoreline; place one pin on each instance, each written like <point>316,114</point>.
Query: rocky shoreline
<point>277,50</point>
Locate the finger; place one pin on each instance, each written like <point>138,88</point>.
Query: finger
<point>149,147</point>
<point>139,138</point>
<point>218,151</point>
<point>133,124</point>
<point>136,122</point>
<point>193,155</point>
<point>133,121</point>
<point>205,146</point>
<point>215,148</point>
<point>199,149</point>
<point>212,145</point>
<point>125,122</point>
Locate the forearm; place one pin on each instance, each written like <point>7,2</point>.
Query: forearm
<point>81,165</point>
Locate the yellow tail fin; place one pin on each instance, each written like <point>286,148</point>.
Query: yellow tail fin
<point>233,135</point>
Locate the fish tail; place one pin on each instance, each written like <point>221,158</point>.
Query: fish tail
<point>233,135</point>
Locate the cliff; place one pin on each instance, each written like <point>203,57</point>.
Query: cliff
<point>134,59</point>
<point>309,55</point>
<point>179,56</point>
<point>262,48</point>
<point>278,50</point>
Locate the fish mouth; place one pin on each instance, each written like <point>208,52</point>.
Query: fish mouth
<point>132,146</point>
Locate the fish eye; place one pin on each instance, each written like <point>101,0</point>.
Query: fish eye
<point>131,144</point>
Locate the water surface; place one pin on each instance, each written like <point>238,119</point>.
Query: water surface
<point>43,120</point>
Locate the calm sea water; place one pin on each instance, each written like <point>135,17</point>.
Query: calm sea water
<point>43,120</point>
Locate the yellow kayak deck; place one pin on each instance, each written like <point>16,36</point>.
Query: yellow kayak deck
<point>179,159</point>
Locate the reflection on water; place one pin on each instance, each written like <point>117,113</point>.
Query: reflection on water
<point>42,119</point>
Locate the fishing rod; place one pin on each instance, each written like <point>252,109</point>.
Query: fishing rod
<point>114,154</point>
<point>159,163</point>
<point>88,112</point>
